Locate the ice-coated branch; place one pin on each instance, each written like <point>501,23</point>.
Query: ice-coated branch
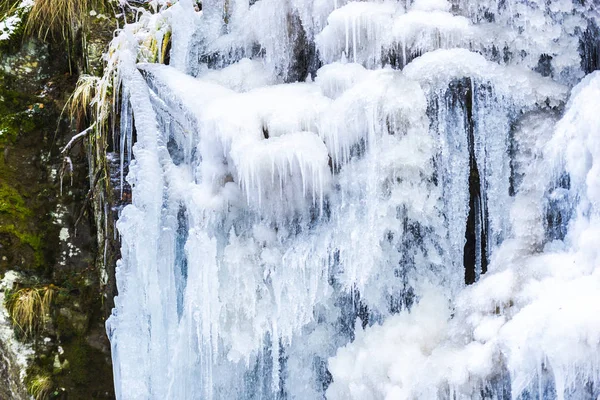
<point>77,137</point>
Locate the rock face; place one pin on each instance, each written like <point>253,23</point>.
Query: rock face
<point>47,231</point>
<point>12,354</point>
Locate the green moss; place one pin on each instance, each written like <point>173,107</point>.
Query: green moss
<point>78,355</point>
<point>12,203</point>
<point>19,123</point>
<point>71,323</point>
<point>23,118</point>
<point>88,372</point>
<point>20,114</point>
<point>15,222</point>
<point>18,234</point>
<point>13,125</point>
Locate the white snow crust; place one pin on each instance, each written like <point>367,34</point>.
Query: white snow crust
<point>307,176</point>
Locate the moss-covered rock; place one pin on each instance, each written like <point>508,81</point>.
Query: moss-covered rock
<point>20,238</point>
<point>46,223</point>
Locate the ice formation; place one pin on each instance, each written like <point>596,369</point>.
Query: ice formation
<point>359,200</point>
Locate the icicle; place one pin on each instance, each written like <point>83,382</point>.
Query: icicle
<point>310,206</point>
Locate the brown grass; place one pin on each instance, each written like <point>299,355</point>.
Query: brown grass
<point>30,307</point>
<point>58,18</point>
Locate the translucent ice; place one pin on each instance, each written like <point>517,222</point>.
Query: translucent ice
<point>371,199</point>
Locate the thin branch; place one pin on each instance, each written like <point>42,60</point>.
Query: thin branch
<point>78,136</point>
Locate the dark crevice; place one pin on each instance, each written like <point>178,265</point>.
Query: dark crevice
<point>544,66</point>
<point>558,208</point>
<point>181,263</point>
<point>167,55</point>
<point>475,250</point>
<point>397,58</point>
<point>589,48</point>
<point>305,60</point>
<point>219,60</point>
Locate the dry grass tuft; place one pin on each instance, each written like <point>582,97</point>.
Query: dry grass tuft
<point>55,19</point>
<point>24,307</point>
<point>58,18</point>
<point>29,307</point>
<point>40,387</point>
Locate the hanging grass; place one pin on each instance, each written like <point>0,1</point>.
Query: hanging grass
<point>60,19</point>
<point>93,99</point>
<point>54,19</point>
<point>80,100</point>
<point>47,294</point>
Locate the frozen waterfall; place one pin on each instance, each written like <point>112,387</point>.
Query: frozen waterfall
<point>382,199</point>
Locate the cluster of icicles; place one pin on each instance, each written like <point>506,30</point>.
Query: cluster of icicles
<point>315,181</point>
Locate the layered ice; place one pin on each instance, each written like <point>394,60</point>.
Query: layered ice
<point>527,329</point>
<point>356,200</point>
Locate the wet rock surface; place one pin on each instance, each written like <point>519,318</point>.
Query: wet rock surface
<point>47,229</point>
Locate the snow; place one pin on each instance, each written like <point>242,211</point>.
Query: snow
<point>381,101</point>
<point>335,78</point>
<point>357,31</point>
<point>13,350</point>
<point>422,30</point>
<point>438,68</point>
<point>431,5</point>
<point>241,76</point>
<point>12,22</point>
<point>298,154</point>
<point>302,179</point>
